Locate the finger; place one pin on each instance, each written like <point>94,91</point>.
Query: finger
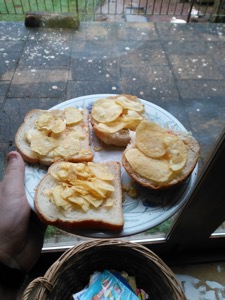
<point>15,170</point>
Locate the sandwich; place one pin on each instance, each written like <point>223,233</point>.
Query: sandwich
<point>49,136</point>
<point>159,158</point>
<point>112,118</point>
<point>75,196</point>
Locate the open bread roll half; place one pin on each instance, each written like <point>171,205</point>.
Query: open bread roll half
<point>158,158</point>
<point>112,118</point>
<point>75,196</point>
<point>49,136</point>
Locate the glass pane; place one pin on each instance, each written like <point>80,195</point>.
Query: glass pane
<point>220,230</point>
<point>144,59</point>
<point>60,239</point>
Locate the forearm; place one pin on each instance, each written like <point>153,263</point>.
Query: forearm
<point>21,232</point>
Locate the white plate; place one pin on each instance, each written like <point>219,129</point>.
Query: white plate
<point>151,207</point>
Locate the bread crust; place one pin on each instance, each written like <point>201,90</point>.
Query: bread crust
<point>101,218</point>
<point>31,157</point>
<point>179,177</point>
<point>120,138</point>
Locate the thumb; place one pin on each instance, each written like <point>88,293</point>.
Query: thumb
<point>14,176</point>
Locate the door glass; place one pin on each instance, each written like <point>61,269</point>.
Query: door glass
<point>220,230</point>
<point>57,238</point>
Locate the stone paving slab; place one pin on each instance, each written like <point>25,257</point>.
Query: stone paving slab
<point>195,66</point>
<point>178,67</point>
<point>45,81</point>
<point>9,62</point>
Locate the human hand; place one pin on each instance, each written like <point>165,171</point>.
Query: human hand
<point>21,233</point>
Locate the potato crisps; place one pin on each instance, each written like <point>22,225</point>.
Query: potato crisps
<point>149,138</point>
<point>100,171</point>
<point>69,146</point>
<point>72,115</point>
<point>105,111</point>
<point>113,115</point>
<point>82,185</point>
<point>150,168</point>
<point>42,144</point>
<point>158,153</point>
<point>177,152</point>
<point>51,122</point>
<point>132,105</point>
<point>110,127</point>
<point>57,133</point>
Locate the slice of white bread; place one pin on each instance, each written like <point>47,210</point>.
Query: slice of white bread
<point>177,177</point>
<point>23,145</point>
<point>121,137</point>
<point>102,217</point>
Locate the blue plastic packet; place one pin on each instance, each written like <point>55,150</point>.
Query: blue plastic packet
<point>123,280</point>
<point>108,287</point>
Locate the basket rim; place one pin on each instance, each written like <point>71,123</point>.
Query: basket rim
<point>46,283</point>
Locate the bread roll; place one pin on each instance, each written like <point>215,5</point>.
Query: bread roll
<point>112,122</point>
<point>161,159</point>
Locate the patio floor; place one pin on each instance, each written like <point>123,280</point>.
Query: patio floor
<point>179,67</point>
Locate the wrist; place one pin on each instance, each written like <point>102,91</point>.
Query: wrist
<point>9,262</point>
<point>7,259</point>
<point>15,260</point>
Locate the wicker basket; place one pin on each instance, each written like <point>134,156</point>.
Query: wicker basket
<point>70,273</point>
